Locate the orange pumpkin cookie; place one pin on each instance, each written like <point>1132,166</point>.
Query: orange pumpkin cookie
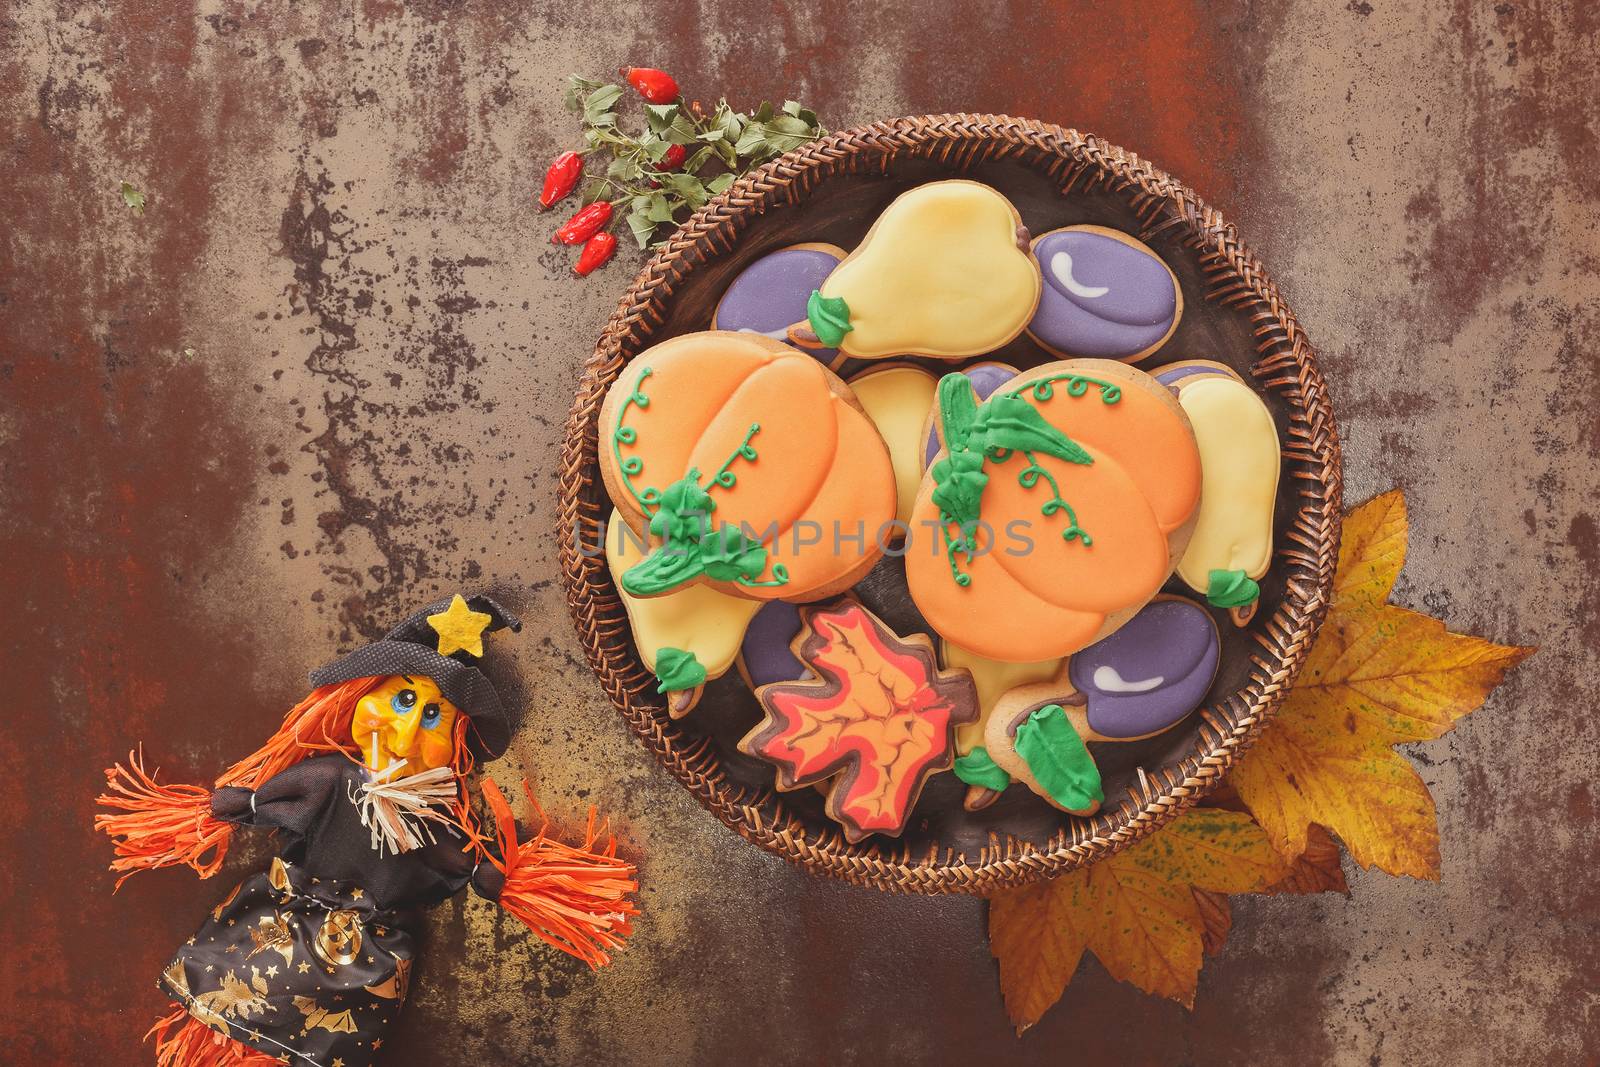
<point>1055,509</point>
<point>752,467</point>
<point>877,716</point>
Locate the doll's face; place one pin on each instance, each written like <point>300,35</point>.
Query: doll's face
<point>405,718</point>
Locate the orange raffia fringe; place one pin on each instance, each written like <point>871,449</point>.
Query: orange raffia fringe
<point>159,825</point>
<point>194,1044</point>
<point>575,899</point>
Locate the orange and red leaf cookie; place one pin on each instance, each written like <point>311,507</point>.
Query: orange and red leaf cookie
<point>879,714</point>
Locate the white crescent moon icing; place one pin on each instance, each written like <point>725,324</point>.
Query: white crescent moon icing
<point>776,335</point>
<point>1107,680</point>
<point>1061,267</point>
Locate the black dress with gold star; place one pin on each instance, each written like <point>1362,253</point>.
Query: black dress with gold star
<point>309,960</point>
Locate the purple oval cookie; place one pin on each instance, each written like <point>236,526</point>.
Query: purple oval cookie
<point>985,378</point>
<point>1102,298</point>
<point>770,294</point>
<point>1149,674</point>
<point>766,652</point>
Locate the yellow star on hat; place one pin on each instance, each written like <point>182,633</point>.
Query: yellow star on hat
<point>460,628</point>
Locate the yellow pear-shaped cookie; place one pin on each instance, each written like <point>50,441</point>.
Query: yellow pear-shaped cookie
<point>946,271</point>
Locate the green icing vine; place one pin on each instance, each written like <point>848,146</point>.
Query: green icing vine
<point>627,435</point>
<point>1231,589</point>
<point>979,768</point>
<point>725,477</point>
<point>1077,384</point>
<point>1059,760</point>
<point>677,670</point>
<point>1030,477</point>
<point>975,433</point>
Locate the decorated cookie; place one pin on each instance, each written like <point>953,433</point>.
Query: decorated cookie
<point>878,717</point>
<point>945,271</point>
<point>994,679</point>
<point>750,464</point>
<point>1141,681</point>
<point>1232,542</point>
<point>1147,676</point>
<point>687,636</point>
<point>898,397</point>
<point>771,293</point>
<point>985,378</point>
<point>1106,296</point>
<point>1056,508</point>
<point>766,654</point>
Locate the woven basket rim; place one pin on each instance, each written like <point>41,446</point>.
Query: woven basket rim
<point>1286,362</point>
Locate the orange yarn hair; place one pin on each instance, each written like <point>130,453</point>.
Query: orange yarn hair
<point>159,825</point>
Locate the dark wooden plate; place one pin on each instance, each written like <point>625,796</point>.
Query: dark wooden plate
<point>832,190</point>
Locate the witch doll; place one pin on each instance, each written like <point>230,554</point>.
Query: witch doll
<point>308,961</point>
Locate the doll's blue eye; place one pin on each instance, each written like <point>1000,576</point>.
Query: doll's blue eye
<point>430,716</point>
<point>403,701</point>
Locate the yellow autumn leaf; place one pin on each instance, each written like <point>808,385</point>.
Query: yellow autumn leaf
<point>1136,911</point>
<point>1378,676</point>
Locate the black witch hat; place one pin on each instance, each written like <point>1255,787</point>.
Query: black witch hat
<point>443,641</point>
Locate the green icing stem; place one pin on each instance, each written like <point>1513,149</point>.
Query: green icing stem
<point>829,317</point>
<point>1231,589</point>
<point>1059,760</point>
<point>678,670</point>
<point>979,768</point>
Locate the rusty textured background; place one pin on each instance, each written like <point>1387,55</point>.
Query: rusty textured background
<point>321,379</point>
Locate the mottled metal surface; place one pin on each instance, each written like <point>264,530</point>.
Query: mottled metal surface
<point>321,380</point>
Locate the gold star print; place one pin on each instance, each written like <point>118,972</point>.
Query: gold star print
<point>337,1062</point>
<point>356,894</point>
<point>376,1045</point>
<point>304,967</point>
<point>272,972</point>
<point>460,628</point>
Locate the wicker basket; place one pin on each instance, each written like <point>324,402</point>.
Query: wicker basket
<point>831,190</point>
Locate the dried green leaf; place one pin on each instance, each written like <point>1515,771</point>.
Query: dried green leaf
<point>599,108</point>
<point>577,88</point>
<point>658,117</point>
<point>133,198</point>
<point>658,208</point>
<point>693,164</point>
<point>687,186</point>
<point>720,183</point>
<point>641,227</point>
<point>624,169</point>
